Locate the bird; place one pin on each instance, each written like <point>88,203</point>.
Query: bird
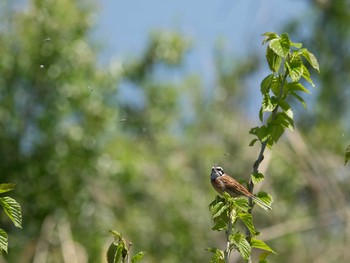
<point>222,182</point>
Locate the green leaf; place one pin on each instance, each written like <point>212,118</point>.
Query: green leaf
<point>241,204</point>
<point>256,243</point>
<point>275,131</point>
<point>263,256</point>
<point>306,76</point>
<point>266,84</point>
<point>276,86</point>
<point>252,142</point>
<point>269,103</point>
<point>280,46</point>
<point>268,36</point>
<point>218,255</point>
<point>310,58</point>
<point>247,219</point>
<point>218,209</point>
<point>219,224</point>
<point>257,177</point>
<point>297,45</point>
<point>273,60</point>
<point>294,65</point>
<point>347,155</point>
<point>261,132</point>
<point>12,209</point>
<point>296,86</point>
<point>6,187</point>
<point>137,257</point>
<point>300,99</point>
<point>3,241</point>
<point>239,240</point>
<point>111,253</point>
<point>116,234</point>
<point>265,197</point>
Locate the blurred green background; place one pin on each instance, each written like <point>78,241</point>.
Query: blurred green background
<point>87,158</point>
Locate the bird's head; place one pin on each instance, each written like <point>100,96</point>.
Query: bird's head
<point>216,171</point>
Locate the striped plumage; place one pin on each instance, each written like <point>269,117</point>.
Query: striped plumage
<point>224,183</point>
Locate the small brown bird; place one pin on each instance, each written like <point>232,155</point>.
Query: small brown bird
<point>224,183</point>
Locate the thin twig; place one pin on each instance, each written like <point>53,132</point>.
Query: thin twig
<point>228,233</point>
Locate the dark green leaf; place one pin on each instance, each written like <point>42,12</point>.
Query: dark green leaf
<point>261,113</point>
<point>3,241</point>
<point>111,253</point>
<point>219,224</point>
<point>239,240</point>
<point>247,219</point>
<point>256,243</point>
<point>285,44</point>
<point>268,104</point>
<point>276,86</point>
<point>273,60</point>
<point>6,187</point>
<point>268,36</point>
<point>257,177</point>
<point>275,130</point>
<point>12,209</point>
<point>347,155</point>
<point>310,58</point>
<point>252,142</point>
<point>137,257</point>
<point>261,132</point>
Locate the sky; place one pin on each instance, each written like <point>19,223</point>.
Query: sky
<point>123,26</point>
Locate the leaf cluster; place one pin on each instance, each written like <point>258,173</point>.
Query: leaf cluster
<point>226,212</point>
<point>13,211</point>
<point>286,60</point>
<point>119,251</point>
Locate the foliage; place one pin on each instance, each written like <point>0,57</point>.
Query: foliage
<point>119,251</point>
<point>285,60</point>
<point>13,211</point>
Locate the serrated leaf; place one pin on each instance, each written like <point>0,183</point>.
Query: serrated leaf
<point>276,86</point>
<point>218,209</point>
<point>310,58</point>
<point>268,36</point>
<point>285,43</point>
<point>275,130</point>
<point>266,84</point>
<point>267,104</point>
<point>273,60</point>
<point>219,224</point>
<point>241,203</point>
<point>12,209</point>
<point>347,155</point>
<point>261,132</point>
<point>295,69</point>
<point>306,76</point>
<point>257,177</point>
<point>280,46</point>
<point>257,243</point>
<point>3,241</point>
<point>137,257</point>
<point>6,187</point>
<point>247,219</point>
<point>242,245</point>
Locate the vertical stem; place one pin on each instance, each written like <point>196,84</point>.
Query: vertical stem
<point>227,251</point>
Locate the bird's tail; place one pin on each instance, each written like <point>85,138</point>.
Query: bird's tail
<point>260,203</point>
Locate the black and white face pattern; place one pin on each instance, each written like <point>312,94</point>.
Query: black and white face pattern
<point>216,171</point>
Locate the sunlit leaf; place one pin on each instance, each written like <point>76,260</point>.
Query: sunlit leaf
<point>265,197</point>
<point>266,84</point>
<point>311,59</point>
<point>247,219</point>
<point>12,209</point>
<point>268,36</point>
<point>257,177</point>
<point>137,257</point>
<point>256,243</point>
<point>273,60</point>
<point>6,187</point>
<point>3,241</point>
<point>306,75</point>
<point>239,240</point>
